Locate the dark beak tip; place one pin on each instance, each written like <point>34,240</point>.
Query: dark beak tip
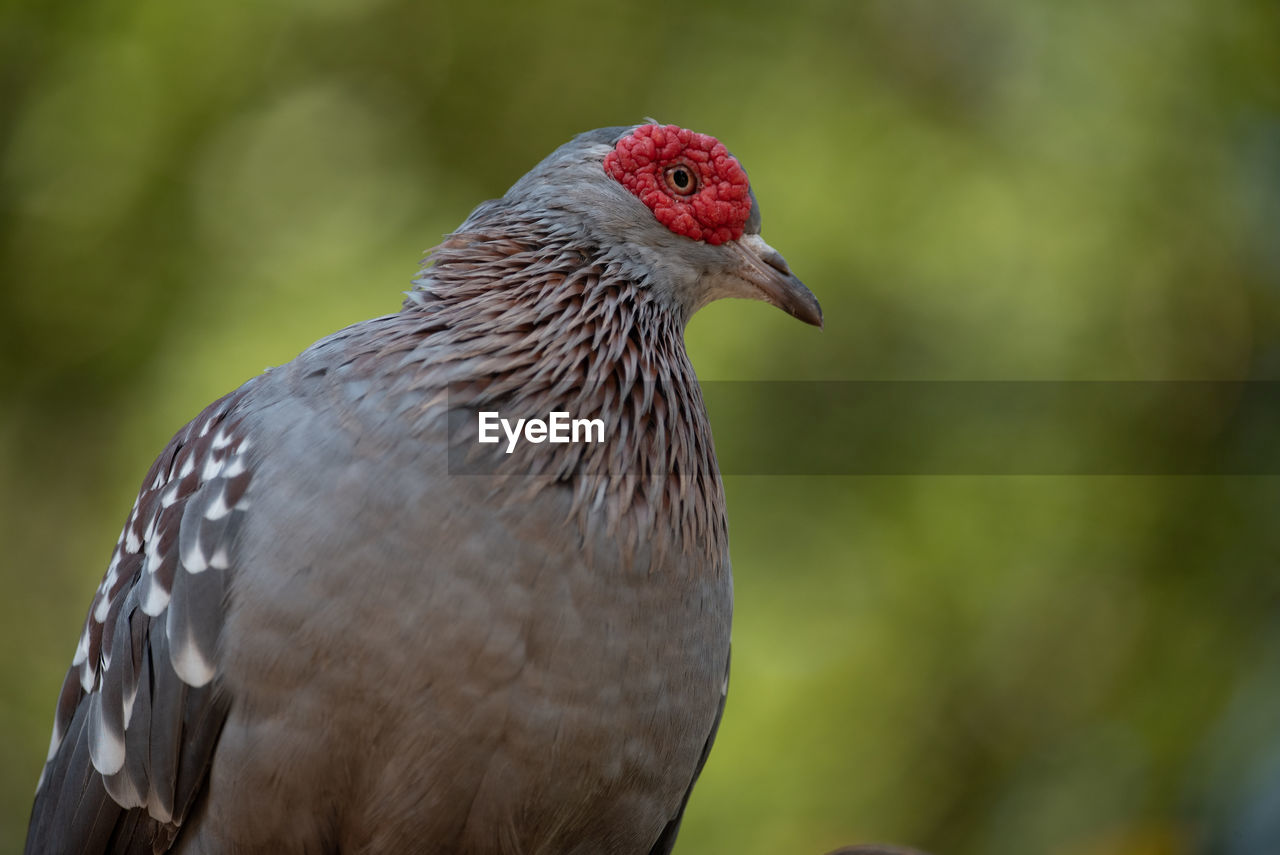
<point>810,311</point>
<point>812,318</point>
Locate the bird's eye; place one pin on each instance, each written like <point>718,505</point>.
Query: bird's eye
<point>681,180</point>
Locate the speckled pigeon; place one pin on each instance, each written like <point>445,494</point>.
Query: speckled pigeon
<point>335,622</point>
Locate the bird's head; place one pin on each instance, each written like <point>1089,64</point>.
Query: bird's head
<point>672,208</point>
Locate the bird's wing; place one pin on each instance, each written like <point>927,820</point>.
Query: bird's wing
<point>139,712</point>
<point>667,839</point>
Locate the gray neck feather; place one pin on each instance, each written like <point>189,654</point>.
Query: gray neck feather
<point>537,321</point>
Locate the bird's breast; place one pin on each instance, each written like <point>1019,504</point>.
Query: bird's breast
<point>468,668</point>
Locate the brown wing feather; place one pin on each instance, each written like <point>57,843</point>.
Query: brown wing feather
<point>139,713</point>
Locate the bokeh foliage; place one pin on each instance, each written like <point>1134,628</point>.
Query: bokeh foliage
<point>991,189</point>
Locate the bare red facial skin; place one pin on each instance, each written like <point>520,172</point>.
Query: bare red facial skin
<point>718,209</point>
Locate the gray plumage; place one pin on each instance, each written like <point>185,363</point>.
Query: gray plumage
<point>317,635</point>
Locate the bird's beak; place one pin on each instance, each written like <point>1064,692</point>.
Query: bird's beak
<point>761,266</point>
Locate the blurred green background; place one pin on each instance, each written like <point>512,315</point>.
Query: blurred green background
<point>998,189</point>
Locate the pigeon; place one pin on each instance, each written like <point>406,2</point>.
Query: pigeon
<point>337,621</point>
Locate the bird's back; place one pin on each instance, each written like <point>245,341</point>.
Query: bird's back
<point>476,669</point>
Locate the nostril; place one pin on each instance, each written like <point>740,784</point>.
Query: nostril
<point>775,260</point>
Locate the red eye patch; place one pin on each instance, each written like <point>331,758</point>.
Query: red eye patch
<point>718,209</point>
